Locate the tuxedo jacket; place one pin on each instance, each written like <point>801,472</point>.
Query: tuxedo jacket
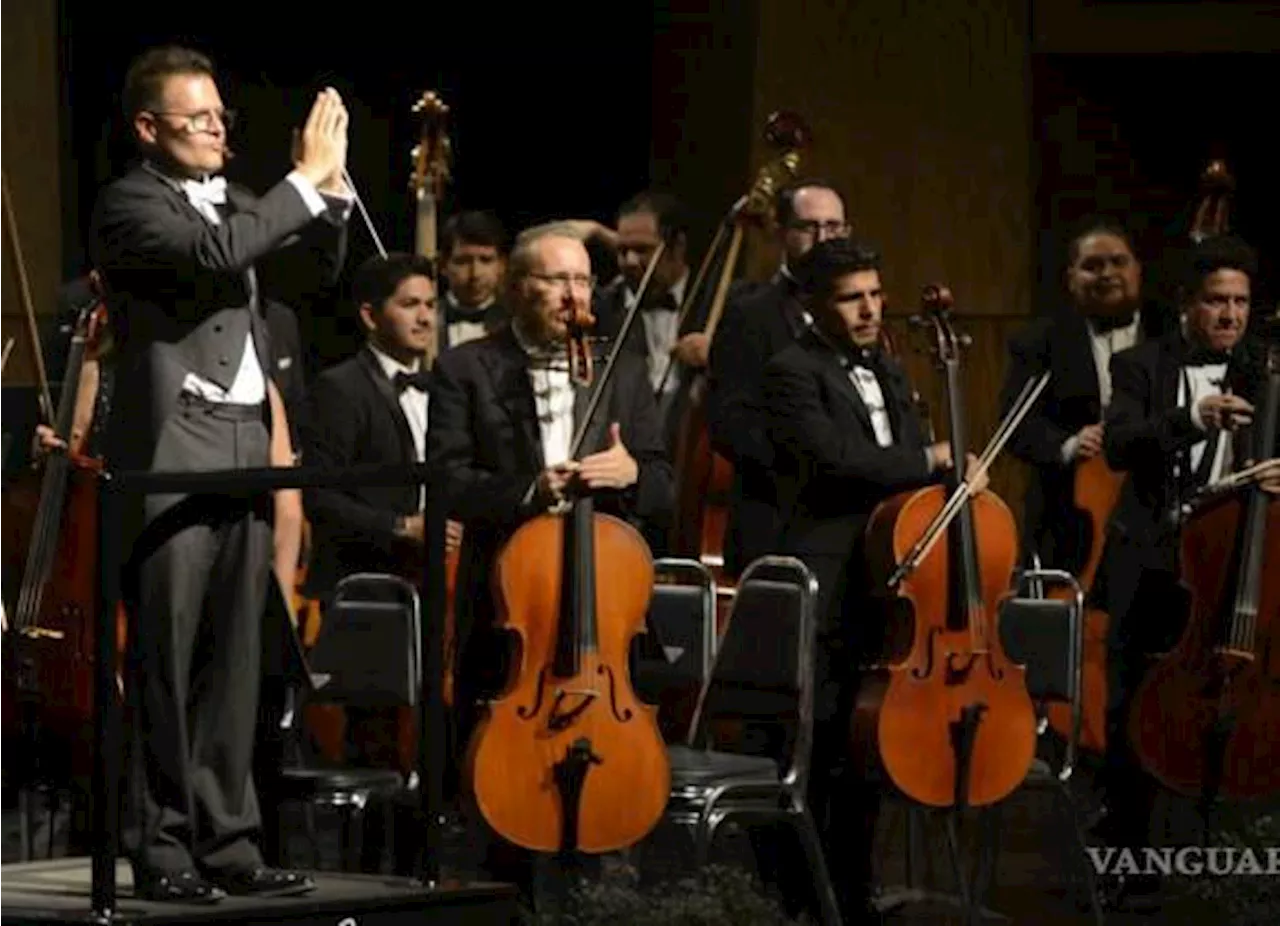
<point>355,419</point>
<point>485,450</point>
<point>1060,344</point>
<point>1149,436</point>
<point>183,293</point>
<point>830,471</point>
<point>753,329</point>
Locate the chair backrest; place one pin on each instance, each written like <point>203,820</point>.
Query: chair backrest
<point>764,665</point>
<point>672,660</point>
<point>1047,636</point>
<point>369,649</point>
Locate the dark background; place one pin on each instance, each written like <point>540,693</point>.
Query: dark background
<point>548,119</point>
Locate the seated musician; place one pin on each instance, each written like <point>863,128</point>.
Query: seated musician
<point>1075,344</point>
<point>502,420</point>
<point>846,437</point>
<point>473,260</point>
<point>1180,411</point>
<point>754,328</point>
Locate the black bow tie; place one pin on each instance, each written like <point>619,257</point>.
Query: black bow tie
<point>666,302</point>
<point>457,313</point>
<point>1198,356</point>
<point>403,381</point>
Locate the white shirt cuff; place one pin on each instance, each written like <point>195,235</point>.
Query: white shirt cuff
<point>1069,448</point>
<point>307,190</point>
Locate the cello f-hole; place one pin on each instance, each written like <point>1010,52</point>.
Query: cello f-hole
<point>622,716</point>
<point>528,713</point>
<point>923,672</point>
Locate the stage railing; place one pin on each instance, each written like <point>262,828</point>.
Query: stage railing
<point>116,489</point>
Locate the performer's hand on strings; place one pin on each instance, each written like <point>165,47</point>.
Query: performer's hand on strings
<point>613,468</point>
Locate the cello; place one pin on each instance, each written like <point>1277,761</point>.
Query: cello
<point>568,759</point>
<point>51,653</point>
<point>952,723</point>
<point>1206,715</point>
<point>1096,492</point>
<point>704,477</point>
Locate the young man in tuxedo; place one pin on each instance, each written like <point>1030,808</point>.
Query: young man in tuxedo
<point>503,415</point>
<point>755,327</point>
<point>1074,344</point>
<point>473,260</point>
<point>845,437</point>
<point>1181,417</point>
<point>178,249</point>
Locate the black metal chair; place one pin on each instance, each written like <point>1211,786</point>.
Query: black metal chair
<point>368,654</point>
<point>1047,637</point>
<point>763,670</point>
<point>673,659</point>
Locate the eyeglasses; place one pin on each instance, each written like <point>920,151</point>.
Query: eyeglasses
<point>832,228</point>
<point>203,120</point>
<point>566,280</point>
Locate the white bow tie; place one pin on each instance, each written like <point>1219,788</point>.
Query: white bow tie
<point>212,190</point>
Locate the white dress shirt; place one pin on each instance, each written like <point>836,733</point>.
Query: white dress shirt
<point>413,402</point>
<point>250,385</point>
<point>553,398</point>
<point>461,332</point>
<point>1104,345</point>
<point>1202,381</point>
<point>873,398</point>
<point>661,331</point>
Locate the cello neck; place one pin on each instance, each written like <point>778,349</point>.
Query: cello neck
<point>577,634</point>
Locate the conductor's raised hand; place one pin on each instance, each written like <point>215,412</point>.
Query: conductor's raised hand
<point>321,147</point>
<point>612,468</point>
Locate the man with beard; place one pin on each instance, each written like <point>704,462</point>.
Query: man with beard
<point>845,438</point>
<point>1075,345</point>
<point>503,416</point>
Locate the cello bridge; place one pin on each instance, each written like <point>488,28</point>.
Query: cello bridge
<point>41,633</point>
<point>1235,653</point>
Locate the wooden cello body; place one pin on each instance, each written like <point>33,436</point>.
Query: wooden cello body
<point>568,759</point>
<point>951,721</point>
<point>51,651</point>
<point>1206,718</point>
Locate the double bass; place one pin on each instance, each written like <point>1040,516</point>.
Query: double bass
<point>1096,492</point>
<point>704,477</point>
<point>568,759</point>
<point>952,722</point>
<point>1206,718</point>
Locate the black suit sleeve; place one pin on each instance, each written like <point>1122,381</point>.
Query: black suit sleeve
<point>332,432</point>
<point>140,228</point>
<point>801,421</point>
<point>1136,431</point>
<point>735,416</point>
<point>1038,440</point>
<point>652,498</point>
<point>473,493</point>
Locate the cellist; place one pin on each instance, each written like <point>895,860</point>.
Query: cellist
<point>846,436</point>
<point>1075,342</point>
<point>1180,408</point>
<point>503,416</point>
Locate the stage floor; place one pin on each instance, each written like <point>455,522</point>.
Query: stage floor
<point>58,892</point>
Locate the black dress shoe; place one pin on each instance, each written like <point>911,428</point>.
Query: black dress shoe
<point>261,881</point>
<point>175,887</point>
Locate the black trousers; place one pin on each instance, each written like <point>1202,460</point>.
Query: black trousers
<point>195,594</point>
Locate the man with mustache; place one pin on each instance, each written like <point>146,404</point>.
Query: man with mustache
<point>1181,417</point>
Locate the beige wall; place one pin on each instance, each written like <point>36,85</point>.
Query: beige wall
<point>31,104</point>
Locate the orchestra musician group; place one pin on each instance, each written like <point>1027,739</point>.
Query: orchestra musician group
<point>469,366</point>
